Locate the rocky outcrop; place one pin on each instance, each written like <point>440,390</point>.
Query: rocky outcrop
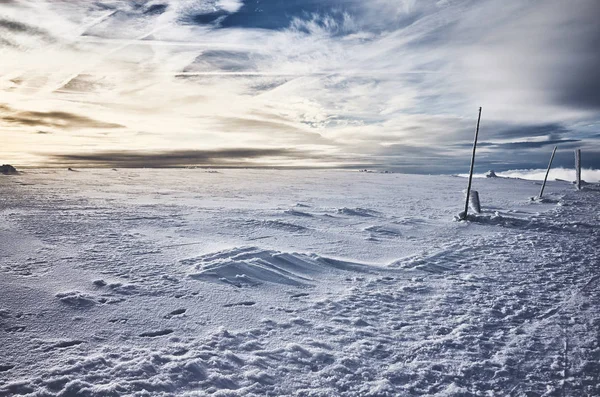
<point>8,169</point>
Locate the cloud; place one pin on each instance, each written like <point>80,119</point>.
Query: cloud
<point>528,131</point>
<point>20,27</point>
<point>55,119</point>
<point>230,6</point>
<point>390,83</point>
<point>275,129</point>
<point>268,14</point>
<point>530,55</point>
<point>243,157</point>
<point>536,144</point>
<point>156,9</point>
<point>564,143</point>
<point>226,61</point>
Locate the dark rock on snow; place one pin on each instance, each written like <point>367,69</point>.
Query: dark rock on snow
<point>8,169</point>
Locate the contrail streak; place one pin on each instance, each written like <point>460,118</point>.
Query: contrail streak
<point>101,57</point>
<point>170,43</point>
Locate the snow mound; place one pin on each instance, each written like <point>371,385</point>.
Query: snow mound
<point>76,299</point>
<point>357,212</point>
<point>294,212</point>
<point>250,266</point>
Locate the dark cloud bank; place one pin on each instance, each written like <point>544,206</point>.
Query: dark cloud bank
<point>240,157</point>
<point>397,158</point>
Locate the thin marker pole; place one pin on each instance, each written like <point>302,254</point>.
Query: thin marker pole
<point>472,166</point>
<point>578,168</point>
<point>548,171</point>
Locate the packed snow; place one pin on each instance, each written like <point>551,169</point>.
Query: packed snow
<point>295,283</point>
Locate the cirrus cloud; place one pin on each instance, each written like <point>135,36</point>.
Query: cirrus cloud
<point>392,83</point>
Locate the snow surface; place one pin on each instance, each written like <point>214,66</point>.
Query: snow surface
<point>300,283</point>
<point>566,174</point>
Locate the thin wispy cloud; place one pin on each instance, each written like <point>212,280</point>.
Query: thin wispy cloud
<point>395,82</point>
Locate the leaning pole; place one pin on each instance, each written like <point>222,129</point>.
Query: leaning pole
<point>464,215</point>
<point>547,171</point>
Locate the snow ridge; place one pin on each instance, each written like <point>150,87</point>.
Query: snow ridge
<point>252,266</point>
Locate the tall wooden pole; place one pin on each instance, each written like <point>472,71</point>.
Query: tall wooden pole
<point>472,166</point>
<point>548,171</point>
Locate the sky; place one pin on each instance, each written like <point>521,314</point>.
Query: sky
<point>392,84</point>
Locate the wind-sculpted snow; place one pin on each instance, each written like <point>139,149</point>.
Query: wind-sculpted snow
<point>295,212</point>
<point>251,266</point>
<point>183,283</point>
<point>384,231</point>
<point>275,224</point>
<point>76,299</point>
<point>357,212</point>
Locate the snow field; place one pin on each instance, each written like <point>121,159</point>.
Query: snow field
<point>303,283</point>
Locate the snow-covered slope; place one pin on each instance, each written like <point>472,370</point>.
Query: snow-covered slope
<point>303,283</point>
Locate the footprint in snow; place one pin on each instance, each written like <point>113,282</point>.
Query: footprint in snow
<point>176,312</point>
<point>64,344</point>
<point>15,329</point>
<point>154,334</point>
<point>247,303</point>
